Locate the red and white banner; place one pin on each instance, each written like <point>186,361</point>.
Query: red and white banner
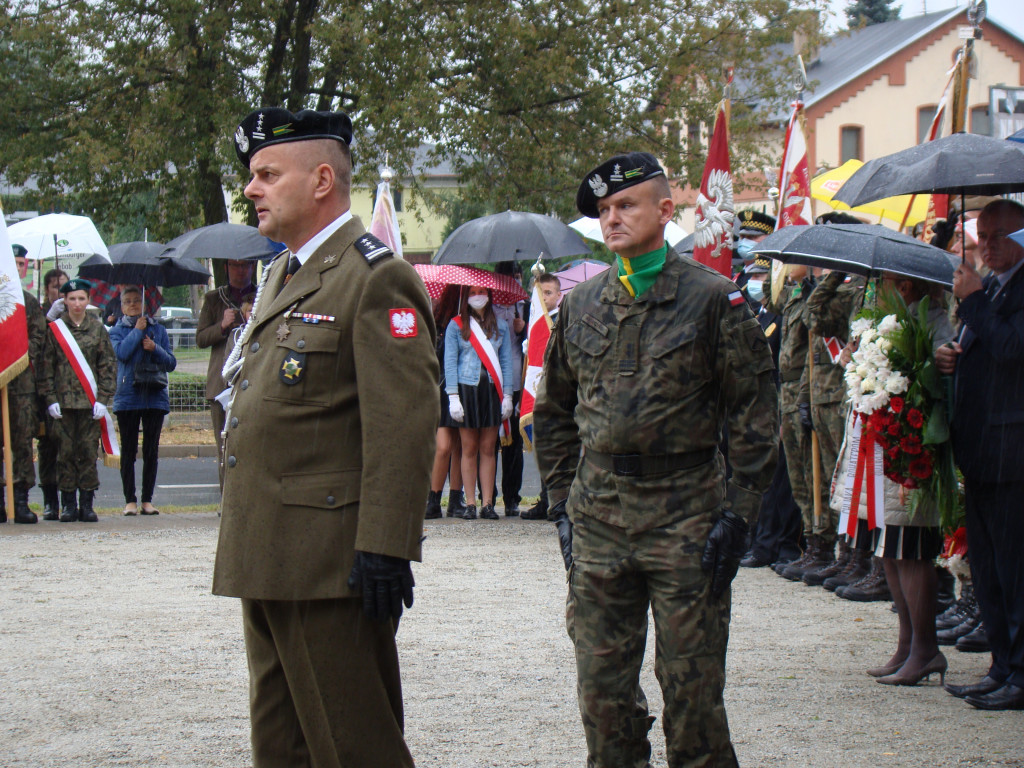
<point>794,178</point>
<point>489,357</point>
<point>13,326</point>
<point>537,338</point>
<point>108,434</point>
<point>938,205</point>
<point>712,234</point>
<point>864,473</point>
<point>384,221</point>
<point>834,346</point>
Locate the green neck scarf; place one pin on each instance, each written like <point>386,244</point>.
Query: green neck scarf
<point>639,273</point>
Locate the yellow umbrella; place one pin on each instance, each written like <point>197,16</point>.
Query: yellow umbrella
<point>825,185</point>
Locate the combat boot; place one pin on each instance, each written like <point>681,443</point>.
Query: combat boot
<point>68,507</point>
<point>946,595</point>
<point>22,514</point>
<point>815,577</point>
<point>456,504</point>
<point>858,566</point>
<point>951,635</point>
<point>811,558</point>
<point>975,641</point>
<point>3,504</point>
<point>871,588</point>
<point>469,512</point>
<point>433,506</point>
<point>963,609</point>
<point>487,512</point>
<point>51,503</point>
<point>85,511</point>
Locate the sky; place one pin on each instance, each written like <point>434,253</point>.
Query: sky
<point>1007,12</point>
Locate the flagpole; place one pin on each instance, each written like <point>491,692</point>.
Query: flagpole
<point>8,455</point>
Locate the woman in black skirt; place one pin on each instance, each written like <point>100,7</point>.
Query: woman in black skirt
<point>473,399</point>
<point>448,448</point>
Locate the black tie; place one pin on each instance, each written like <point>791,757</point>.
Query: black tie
<point>293,267</point>
<point>992,288</point>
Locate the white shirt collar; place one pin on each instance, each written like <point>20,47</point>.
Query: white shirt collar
<point>320,237</point>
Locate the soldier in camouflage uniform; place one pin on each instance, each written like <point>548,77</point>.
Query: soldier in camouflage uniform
<point>21,394</point>
<point>47,443</point>
<point>795,399</point>
<point>76,419</point>
<point>647,368</point>
<point>829,309</point>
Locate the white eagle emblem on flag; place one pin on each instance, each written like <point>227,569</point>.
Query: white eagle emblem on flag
<point>715,213</point>
<point>403,323</point>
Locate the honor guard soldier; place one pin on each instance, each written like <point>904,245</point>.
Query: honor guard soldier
<point>22,403</point>
<point>648,367</point>
<point>328,450</point>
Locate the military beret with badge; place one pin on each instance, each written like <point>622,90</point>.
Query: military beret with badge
<point>20,251</point>
<point>614,175</point>
<point>76,284</point>
<point>276,125</point>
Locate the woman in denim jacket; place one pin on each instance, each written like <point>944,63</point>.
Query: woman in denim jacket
<point>136,337</point>
<point>472,394</point>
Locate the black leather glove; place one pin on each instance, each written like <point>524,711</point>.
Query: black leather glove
<point>723,551</point>
<point>560,517</point>
<point>807,286</point>
<point>385,581</point>
<point>804,409</point>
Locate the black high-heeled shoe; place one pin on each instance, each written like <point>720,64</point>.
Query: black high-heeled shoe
<point>937,664</point>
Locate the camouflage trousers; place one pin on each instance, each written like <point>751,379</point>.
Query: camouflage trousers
<point>78,439</point>
<point>24,424</point>
<point>796,441</point>
<point>47,450</point>
<point>829,424</point>
<point>614,578</point>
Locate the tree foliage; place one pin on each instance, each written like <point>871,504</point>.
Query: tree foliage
<point>864,13</point>
<point>125,108</point>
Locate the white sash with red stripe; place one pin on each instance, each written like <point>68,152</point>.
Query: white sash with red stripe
<point>108,434</point>
<point>489,357</point>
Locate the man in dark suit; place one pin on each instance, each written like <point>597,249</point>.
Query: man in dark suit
<point>988,441</point>
<point>329,445</point>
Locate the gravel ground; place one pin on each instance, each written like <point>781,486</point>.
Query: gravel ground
<point>116,654</point>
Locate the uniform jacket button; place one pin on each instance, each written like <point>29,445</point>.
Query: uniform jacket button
<point>245,384</point>
<point>301,344</point>
<point>330,499</point>
<point>232,461</point>
<point>255,346</point>
<point>234,421</point>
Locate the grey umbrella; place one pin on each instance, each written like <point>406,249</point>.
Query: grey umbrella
<point>862,249</point>
<point>510,236</point>
<point>963,164</point>
<point>225,241</point>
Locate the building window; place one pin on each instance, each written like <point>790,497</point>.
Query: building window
<point>851,143</point>
<point>925,115</point>
<point>980,121</point>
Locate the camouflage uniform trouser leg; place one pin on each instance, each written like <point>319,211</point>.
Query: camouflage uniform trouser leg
<point>614,577</point>
<point>48,454</point>
<point>78,437</point>
<point>797,442</point>
<point>24,424</point>
<point>829,423</point>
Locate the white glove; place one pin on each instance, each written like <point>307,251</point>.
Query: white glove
<point>506,407</point>
<point>455,408</point>
<point>99,410</point>
<point>56,310</point>
<point>54,411</point>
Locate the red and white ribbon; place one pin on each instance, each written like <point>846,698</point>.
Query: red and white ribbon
<point>864,472</point>
<point>489,357</point>
<point>61,332</point>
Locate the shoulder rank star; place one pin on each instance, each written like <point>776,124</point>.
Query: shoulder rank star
<point>283,331</point>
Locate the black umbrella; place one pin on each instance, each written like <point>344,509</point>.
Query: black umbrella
<point>141,263</point>
<point>964,164</point>
<point>510,236</point>
<point>225,241</point>
<point>863,249</point>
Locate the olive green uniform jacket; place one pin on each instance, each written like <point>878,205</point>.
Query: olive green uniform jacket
<point>330,437</point>
<point>209,334</point>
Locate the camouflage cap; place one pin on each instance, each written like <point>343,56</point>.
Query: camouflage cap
<point>750,222</point>
<point>614,175</point>
<point>275,125</point>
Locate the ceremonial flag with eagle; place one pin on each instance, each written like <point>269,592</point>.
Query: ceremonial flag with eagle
<point>794,187</point>
<point>536,342</point>
<point>384,220</point>
<point>712,236</point>
<point>13,326</point>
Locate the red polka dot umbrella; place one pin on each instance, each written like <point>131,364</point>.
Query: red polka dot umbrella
<point>436,276</point>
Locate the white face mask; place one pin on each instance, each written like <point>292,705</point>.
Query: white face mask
<point>477,302</point>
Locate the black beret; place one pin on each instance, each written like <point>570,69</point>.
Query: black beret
<point>615,175</point>
<point>750,222</point>
<point>20,251</point>
<point>275,125</point>
<point>837,217</point>
<point>77,284</point>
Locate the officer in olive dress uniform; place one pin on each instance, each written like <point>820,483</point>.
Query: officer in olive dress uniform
<point>648,366</point>
<point>21,394</point>
<point>329,446</point>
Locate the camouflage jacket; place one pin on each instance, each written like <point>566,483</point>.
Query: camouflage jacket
<point>830,308</point>
<point>60,383</point>
<point>26,382</point>
<point>792,305</point>
<point>666,373</point>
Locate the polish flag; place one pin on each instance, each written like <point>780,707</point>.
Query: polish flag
<point>795,180</point>
<point>536,342</point>
<point>13,326</point>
